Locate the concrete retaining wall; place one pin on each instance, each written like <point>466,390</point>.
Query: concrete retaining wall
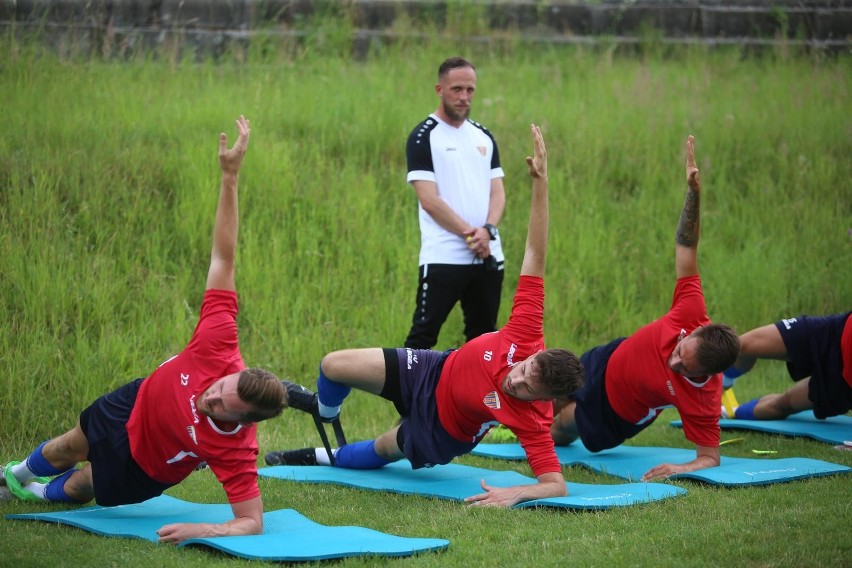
<point>209,26</point>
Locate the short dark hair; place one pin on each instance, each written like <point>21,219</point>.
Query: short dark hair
<point>561,372</point>
<point>264,391</point>
<point>718,349</point>
<point>453,63</point>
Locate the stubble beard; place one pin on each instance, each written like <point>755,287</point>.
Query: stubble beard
<point>454,115</point>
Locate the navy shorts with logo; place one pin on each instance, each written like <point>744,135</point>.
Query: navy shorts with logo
<point>410,383</point>
<point>116,477</point>
<point>599,426</point>
<point>813,349</point>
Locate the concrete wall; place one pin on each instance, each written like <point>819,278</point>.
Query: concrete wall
<point>210,26</point>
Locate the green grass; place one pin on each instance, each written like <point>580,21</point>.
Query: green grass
<point>108,183</point>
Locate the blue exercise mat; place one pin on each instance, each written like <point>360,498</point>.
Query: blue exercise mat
<point>287,535</point>
<point>631,462</point>
<point>456,481</point>
<point>834,430</point>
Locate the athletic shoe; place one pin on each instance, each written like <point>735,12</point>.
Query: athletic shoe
<point>500,435</point>
<point>15,486</point>
<point>301,398</point>
<point>305,456</point>
<point>724,413</point>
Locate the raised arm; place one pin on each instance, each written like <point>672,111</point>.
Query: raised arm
<point>534,254</point>
<point>223,258</point>
<point>686,238</point>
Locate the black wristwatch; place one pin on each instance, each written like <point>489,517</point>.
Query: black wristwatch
<point>492,231</point>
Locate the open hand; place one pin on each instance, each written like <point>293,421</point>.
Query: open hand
<point>537,163</point>
<point>230,159</point>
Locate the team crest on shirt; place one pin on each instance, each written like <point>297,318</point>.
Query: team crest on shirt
<point>492,400</point>
<point>482,150</point>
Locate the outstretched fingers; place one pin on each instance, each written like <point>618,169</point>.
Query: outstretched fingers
<point>244,130</point>
<point>230,159</point>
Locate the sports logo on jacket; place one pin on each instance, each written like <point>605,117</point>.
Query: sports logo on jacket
<point>492,400</point>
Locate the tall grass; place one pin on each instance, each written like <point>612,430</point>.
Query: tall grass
<point>108,183</point>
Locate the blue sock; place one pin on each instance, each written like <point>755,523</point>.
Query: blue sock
<point>331,393</point>
<point>40,466</point>
<point>729,377</point>
<point>732,372</point>
<point>746,411</point>
<point>55,490</point>
<point>359,455</point>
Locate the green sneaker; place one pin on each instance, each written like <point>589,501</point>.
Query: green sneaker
<point>500,435</point>
<point>15,487</point>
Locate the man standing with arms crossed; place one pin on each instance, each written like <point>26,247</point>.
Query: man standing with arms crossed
<point>454,167</point>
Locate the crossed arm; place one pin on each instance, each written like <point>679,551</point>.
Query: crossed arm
<point>478,238</point>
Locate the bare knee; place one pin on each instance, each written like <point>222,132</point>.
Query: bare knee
<point>561,437</point>
<point>564,428</point>
<point>363,369</point>
<point>387,447</point>
<point>67,450</point>
<point>79,485</point>
<point>333,363</point>
<point>762,343</point>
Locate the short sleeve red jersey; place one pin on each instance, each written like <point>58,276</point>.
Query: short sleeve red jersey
<point>168,436</point>
<point>469,396</point>
<point>640,384</point>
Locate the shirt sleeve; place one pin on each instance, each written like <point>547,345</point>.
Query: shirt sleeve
<point>418,154</point>
<point>688,307</point>
<point>526,322</point>
<point>541,454</point>
<point>216,332</point>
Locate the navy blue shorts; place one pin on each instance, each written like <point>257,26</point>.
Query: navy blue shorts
<point>813,349</point>
<point>410,383</point>
<point>599,426</point>
<point>116,477</point>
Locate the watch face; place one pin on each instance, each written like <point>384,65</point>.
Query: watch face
<point>492,231</point>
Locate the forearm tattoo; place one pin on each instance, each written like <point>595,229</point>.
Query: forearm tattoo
<point>687,226</point>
